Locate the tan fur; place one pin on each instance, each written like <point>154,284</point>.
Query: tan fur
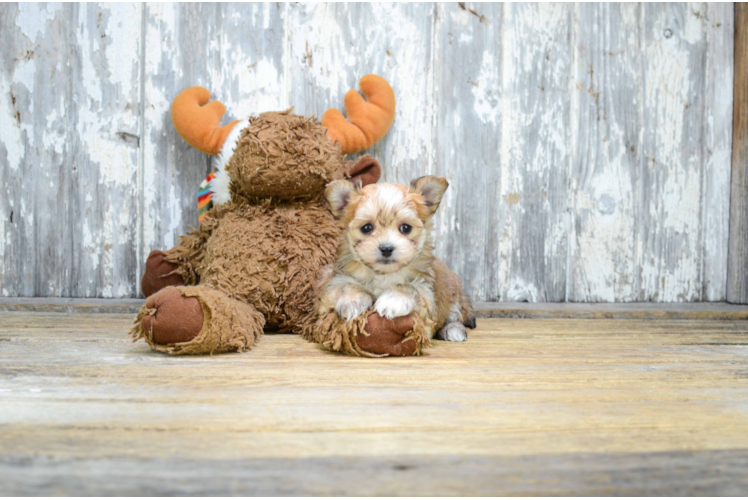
<point>412,279</point>
<point>268,255</point>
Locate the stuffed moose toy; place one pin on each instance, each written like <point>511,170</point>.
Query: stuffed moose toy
<point>258,254</point>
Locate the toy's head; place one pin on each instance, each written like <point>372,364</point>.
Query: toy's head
<point>282,155</point>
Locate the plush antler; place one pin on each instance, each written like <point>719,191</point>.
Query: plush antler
<point>197,121</point>
<point>368,120</point>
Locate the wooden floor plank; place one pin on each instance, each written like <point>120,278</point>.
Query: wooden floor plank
<point>535,310</point>
<point>526,406</point>
<point>704,473</point>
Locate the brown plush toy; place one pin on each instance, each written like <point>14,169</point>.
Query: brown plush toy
<point>254,262</point>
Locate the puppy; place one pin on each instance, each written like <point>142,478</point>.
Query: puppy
<point>385,257</point>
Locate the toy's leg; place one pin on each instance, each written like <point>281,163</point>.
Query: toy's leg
<point>197,320</point>
<point>370,334</point>
<point>159,273</point>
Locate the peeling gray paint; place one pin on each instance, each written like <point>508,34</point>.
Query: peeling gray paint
<point>587,146</point>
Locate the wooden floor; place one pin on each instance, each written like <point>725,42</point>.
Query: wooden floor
<point>526,406</point>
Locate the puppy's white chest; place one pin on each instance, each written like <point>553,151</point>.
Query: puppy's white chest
<point>382,283</point>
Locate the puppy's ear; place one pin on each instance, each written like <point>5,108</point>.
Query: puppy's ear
<point>365,168</point>
<point>431,189</point>
<point>339,195</point>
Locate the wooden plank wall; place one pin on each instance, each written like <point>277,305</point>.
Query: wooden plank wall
<point>588,146</point>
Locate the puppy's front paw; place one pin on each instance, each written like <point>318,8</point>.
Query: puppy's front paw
<point>351,307</point>
<point>393,305</point>
<point>452,332</point>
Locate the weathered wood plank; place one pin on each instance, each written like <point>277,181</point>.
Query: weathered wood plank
<point>612,310</point>
<point>719,28</point>
<point>67,305</point>
<point>107,63</point>
<point>23,41</point>
<point>668,238</point>
<point>607,122</point>
<point>467,95</point>
<point>580,310</point>
<point>70,126</point>
<point>679,473</point>
<point>534,157</point>
<point>737,283</point>
<point>540,403</point>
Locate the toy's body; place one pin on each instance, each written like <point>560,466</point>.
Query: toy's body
<point>268,256</point>
<point>274,259</point>
<point>254,262</point>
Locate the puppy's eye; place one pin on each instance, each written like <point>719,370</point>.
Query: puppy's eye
<point>367,228</point>
<point>405,228</point>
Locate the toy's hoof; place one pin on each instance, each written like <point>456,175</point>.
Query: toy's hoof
<point>177,318</point>
<point>157,275</point>
<point>386,336</point>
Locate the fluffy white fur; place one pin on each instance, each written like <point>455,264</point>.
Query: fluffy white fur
<point>453,330</point>
<point>353,305</point>
<point>393,304</point>
<point>220,183</point>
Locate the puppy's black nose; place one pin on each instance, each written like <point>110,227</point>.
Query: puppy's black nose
<point>386,249</point>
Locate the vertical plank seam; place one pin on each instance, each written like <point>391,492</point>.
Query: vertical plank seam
<point>733,292</point>
<point>502,295</point>
<point>140,253</point>
<point>703,157</point>
<point>67,20</point>
<point>433,159</point>
<point>573,112</point>
<point>492,288</point>
<point>732,145</point>
<point>729,290</point>
<point>286,57</point>
<point>215,72</point>
<point>640,167</point>
<point>434,108</point>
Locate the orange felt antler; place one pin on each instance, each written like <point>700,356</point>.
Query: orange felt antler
<point>368,120</point>
<point>197,121</point>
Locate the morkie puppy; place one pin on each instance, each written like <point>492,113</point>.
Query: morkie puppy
<point>385,257</point>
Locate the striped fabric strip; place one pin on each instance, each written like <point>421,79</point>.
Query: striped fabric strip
<point>205,195</point>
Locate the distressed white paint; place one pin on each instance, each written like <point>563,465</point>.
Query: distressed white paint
<point>32,18</point>
<point>717,152</point>
<point>70,74</point>
<point>587,146</point>
<point>607,123</point>
<point>107,125</point>
<point>467,101</point>
<point>668,243</point>
<point>535,148</point>
<point>10,130</point>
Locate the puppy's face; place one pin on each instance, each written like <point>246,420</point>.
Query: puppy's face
<point>386,223</point>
